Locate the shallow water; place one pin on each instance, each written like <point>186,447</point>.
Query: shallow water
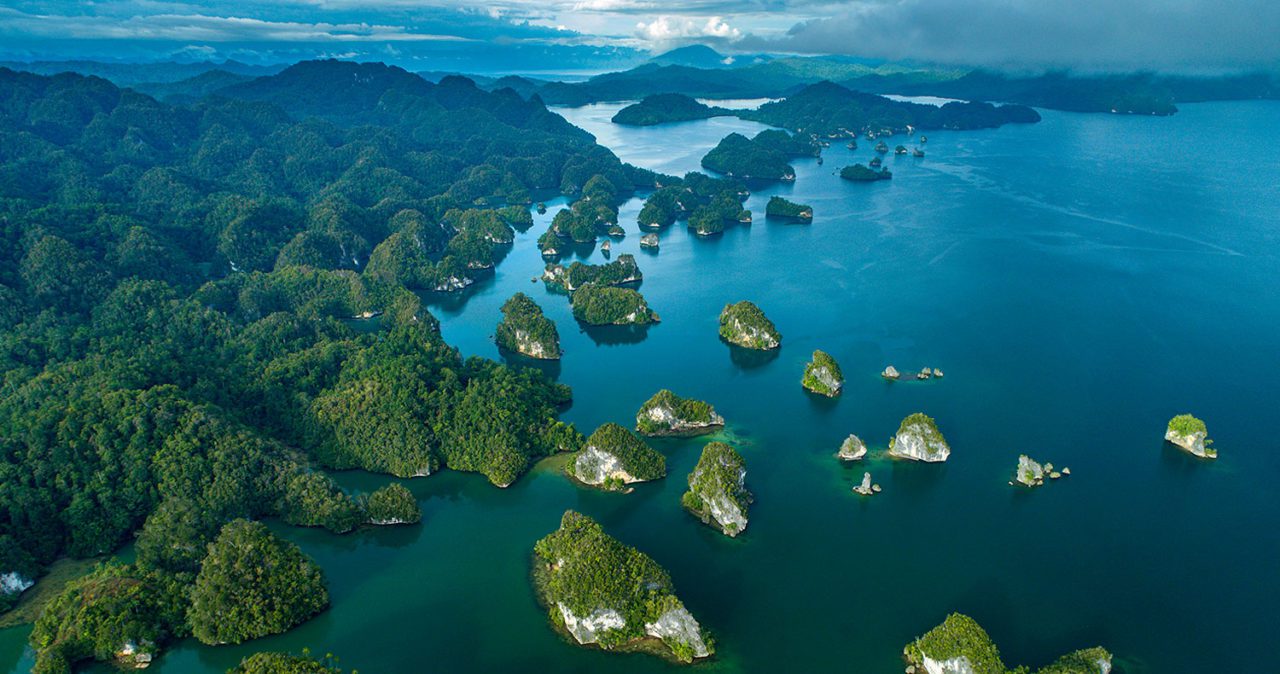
<point>1080,281</point>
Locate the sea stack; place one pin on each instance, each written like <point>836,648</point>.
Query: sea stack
<point>668,414</point>
<point>822,375</point>
<point>919,439</point>
<point>744,324</point>
<point>526,331</point>
<point>852,449</point>
<point>1029,473</point>
<point>1190,434</point>
<point>866,488</point>
<point>890,372</point>
<point>717,492</point>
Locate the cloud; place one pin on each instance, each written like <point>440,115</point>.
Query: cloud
<point>667,30</point>
<point>1182,35</point>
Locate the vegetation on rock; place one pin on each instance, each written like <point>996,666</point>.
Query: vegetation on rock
<point>822,375</point>
<point>860,173</point>
<point>525,330</point>
<point>613,456</point>
<point>787,210</point>
<point>284,663</point>
<point>393,504</point>
<point>663,109</point>
<point>595,305</point>
<point>740,157</point>
<point>717,492</point>
<point>960,640</point>
<point>745,325</point>
<point>668,414</point>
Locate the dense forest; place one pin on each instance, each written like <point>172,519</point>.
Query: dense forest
<point>203,304</point>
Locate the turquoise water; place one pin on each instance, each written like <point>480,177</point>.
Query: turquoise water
<point>1080,281</point>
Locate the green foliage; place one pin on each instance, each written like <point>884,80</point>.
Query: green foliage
<point>740,157</point>
<point>1186,424</point>
<point>98,615</point>
<point>620,271</point>
<point>1083,661</point>
<point>958,635</point>
<point>637,458</point>
<point>595,305</point>
<point>523,325</point>
<point>786,144</point>
<point>860,173</point>
<point>583,568</point>
<point>392,504</point>
<point>744,324</point>
<point>284,663</point>
<point>718,477</point>
<point>682,411</point>
<point>822,375</point>
<point>781,208</point>
<point>252,584</point>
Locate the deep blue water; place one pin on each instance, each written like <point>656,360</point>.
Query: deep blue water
<point>1080,280</point>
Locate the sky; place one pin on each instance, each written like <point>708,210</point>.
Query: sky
<point>531,35</point>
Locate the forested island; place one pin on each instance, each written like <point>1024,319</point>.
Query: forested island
<point>668,414</point>
<point>664,109</point>
<point>822,375</point>
<point>959,644</point>
<point>526,331</point>
<point>744,324</point>
<point>782,209</point>
<point>717,493</point>
<point>603,305</point>
<point>740,157</point>
<point>183,336</point>
<point>621,271</point>
<point>919,439</point>
<point>859,173</point>
<point>601,592</point>
<point>612,457</point>
<point>709,204</point>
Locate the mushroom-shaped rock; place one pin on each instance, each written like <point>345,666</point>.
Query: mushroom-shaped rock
<point>919,439</point>
<point>852,449</point>
<point>1190,434</point>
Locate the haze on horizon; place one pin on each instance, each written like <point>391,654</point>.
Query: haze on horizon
<point>1190,36</point>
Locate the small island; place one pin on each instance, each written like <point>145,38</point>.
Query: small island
<point>619,272</point>
<point>744,324</point>
<point>740,157</point>
<point>613,457</point>
<point>668,414</point>
<point>959,644</point>
<point>595,305</point>
<point>392,504</point>
<point>272,662</point>
<point>919,439</point>
<point>860,173</point>
<point>649,240</point>
<point>1190,434</point>
<point>717,492</point>
<point>601,592</point>
<point>526,331</point>
<point>664,109</point>
<point>866,487</point>
<point>781,209</point>
<point>852,449</point>
<point>822,375</point>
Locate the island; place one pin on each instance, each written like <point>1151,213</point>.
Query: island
<point>595,305</point>
<point>781,209</point>
<point>710,204</point>
<point>744,324</point>
<point>649,240</point>
<point>861,173</point>
<point>822,375</point>
<point>621,271</point>
<point>1190,434</point>
<point>712,218</point>
<point>960,645</point>
<point>717,493</point>
<point>740,157</point>
<point>271,662</point>
<point>866,488</point>
<point>526,331</point>
<point>602,593</point>
<point>852,449</point>
<point>668,414</point>
<point>613,457</point>
<point>664,109</point>
<point>919,439</point>
<point>392,504</point>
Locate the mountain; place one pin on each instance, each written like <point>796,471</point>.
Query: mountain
<point>130,74</point>
<point>693,56</point>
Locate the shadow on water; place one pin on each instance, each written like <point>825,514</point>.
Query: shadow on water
<point>550,368</point>
<point>615,335</point>
<point>821,404</point>
<point>750,359</point>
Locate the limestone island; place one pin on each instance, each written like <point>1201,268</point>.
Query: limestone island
<point>744,324</point>
<point>960,646</point>
<point>649,240</point>
<point>717,494</point>
<point>668,414</point>
<point>740,157</point>
<point>1031,473</point>
<point>919,439</point>
<point>595,305</point>
<point>614,457</point>
<point>852,449</point>
<point>866,488</point>
<point>822,375</point>
<point>664,109</point>
<point>860,173</point>
<point>621,271</point>
<point>892,374</point>
<point>1190,434</point>
<point>526,331</point>
<point>604,593</point>
<point>781,209</point>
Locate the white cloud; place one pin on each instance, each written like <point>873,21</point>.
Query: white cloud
<point>665,30</point>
